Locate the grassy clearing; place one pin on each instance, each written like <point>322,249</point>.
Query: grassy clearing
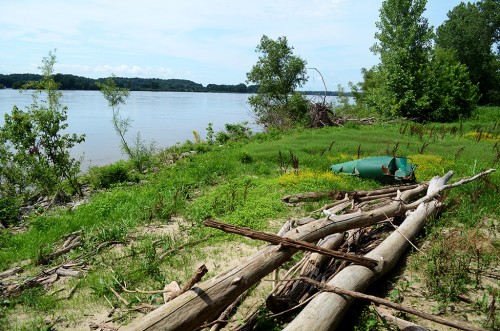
<point>241,183</point>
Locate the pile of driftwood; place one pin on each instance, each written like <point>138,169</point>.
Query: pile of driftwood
<point>321,116</point>
<point>11,285</point>
<point>361,238</point>
<point>46,277</point>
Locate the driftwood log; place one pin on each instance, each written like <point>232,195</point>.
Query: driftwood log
<point>10,272</point>
<point>207,300</point>
<point>288,294</point>
<point>326,310</point>
<point>311,196</point>
<point>399,323</point>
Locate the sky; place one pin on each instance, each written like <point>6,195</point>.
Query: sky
<point>206,41</point>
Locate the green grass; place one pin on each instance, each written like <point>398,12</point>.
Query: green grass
<point>242,183</point>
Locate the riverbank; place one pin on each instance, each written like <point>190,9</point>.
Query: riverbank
<point>146,230</point>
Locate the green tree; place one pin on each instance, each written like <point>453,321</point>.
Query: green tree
<point>404,45</point>
<point>140,152</point>
<point>278,73</point>
<point>414,79</point>
<point>116,96</point>
<point>472,30</point>
<point>448,91</point>
<point>35,149</point>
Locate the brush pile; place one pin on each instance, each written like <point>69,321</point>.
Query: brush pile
<point>361,237</point>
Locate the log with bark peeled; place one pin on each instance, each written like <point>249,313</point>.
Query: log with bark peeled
<point>336,194</point>
<point>326,310</point>
<point>358,295</point>
<point>288,294</point>
<point>10,272</point>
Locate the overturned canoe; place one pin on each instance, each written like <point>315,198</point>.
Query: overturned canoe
<point>385,168</point>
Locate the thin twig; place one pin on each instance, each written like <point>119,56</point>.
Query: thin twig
<point>170,251</point>
<point>406,238</point>
<point>222,317</point>
<point>144,306</point>
<point>126,290</point>
<point>112,307</point>
<point>122,299</point>
<point>102,326</point>
<point>295,307</point>
<point>435,193</point>
<point>198,275</point>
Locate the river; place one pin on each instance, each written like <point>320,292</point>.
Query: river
<point>163,117</point>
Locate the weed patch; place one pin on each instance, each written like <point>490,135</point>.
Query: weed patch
<point>431,165</point>
<point>455,261</point>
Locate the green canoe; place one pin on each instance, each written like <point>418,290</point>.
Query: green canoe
<point>384,168</point>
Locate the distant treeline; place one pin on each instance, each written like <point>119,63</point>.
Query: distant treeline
<point>72,82</point>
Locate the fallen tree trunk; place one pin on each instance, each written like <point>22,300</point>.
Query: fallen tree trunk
<point>336,194</point>
<point>10,272</point>
<point>289,293</point>
<point>207,300</point>
<point>326,310</point>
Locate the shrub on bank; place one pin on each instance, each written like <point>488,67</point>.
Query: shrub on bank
<point>103,177</point>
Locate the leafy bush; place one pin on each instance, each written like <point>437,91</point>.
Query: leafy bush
<point>105,176</point>
<point>278,73</point>
<point>142,153</point>
<point>415,79</point>
<point>245,157</point>
<point>33,144</point>
<point>9,209</point>
<point>233,132</point>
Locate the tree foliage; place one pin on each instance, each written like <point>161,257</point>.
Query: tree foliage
<point>404,46</point>
<point>117,96</point>
<point>278,73</point>
<point>449,93</point>
<point>73,82</point>
<point>34,148</point>
<point>413,79</point>
<point>472,31</point>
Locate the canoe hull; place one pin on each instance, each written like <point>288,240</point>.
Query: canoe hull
<point>384,168</point>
